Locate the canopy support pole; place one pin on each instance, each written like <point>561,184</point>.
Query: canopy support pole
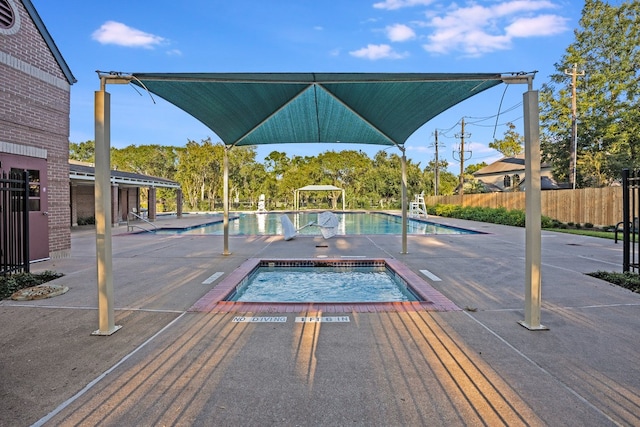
<point>225,201</point>
<point>104,255</point>
<point>533,202</point>
<point>404,201</point>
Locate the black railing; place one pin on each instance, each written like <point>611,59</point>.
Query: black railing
<point>630,198</point>
<point>14,222</point>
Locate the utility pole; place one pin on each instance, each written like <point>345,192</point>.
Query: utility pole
<point>462,135</point>
<point>573,150</point>
<point>437,171</point>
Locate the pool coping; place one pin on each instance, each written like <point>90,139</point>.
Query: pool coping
<point>236,215</point>
<point>213,301</point>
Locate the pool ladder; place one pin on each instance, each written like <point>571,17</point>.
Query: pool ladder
<point>130,227</point>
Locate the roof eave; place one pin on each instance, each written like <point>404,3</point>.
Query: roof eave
<point>49,40</point>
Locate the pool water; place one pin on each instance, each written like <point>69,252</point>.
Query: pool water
<point>350,224</point>
<point>323,284</point>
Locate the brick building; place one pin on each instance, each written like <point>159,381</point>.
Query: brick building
<point>35,87</point>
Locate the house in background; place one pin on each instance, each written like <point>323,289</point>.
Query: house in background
<point>126,188</point>
<point>508,174</point>
<point>35,88</point>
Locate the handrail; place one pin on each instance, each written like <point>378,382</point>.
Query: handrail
<point>130,227</point>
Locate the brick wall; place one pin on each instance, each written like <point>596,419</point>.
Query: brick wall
<point>85,201</point>
<point>34,111</point>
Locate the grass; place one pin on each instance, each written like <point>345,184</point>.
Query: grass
<point>587,232</point>
<point>15,282</point>
<point>503,216</point>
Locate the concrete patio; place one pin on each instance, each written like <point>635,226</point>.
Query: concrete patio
<point>472,366</point>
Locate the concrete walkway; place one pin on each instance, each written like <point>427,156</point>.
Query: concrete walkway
<point>474,366</point>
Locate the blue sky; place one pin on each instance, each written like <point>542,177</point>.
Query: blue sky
<point>309,36</point>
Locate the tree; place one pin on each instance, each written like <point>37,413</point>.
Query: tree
<point>83,151</point>
<point>471,169</point>
<point>511,145</point>
<point>343,170</point>
<point>199,173</point>
<point>608,101</point>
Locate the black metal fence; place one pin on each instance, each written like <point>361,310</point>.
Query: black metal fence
<point>14,222</point>
<point>630,225</point>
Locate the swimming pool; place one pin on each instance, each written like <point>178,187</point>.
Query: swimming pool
<point>351,223</point>
<point>322,282</point>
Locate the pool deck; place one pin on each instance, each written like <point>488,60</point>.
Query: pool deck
<point>169,365</point>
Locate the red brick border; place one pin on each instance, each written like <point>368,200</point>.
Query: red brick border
<point>213,301</point>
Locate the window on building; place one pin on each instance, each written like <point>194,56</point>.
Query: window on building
<point>34,188</point>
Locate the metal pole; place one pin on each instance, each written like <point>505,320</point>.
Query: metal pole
<point>404,202</point>
<point>437,173</point>
<point>626,218</point>
<point>573,149</point>
<point>533,200</point>
<point>461,192</point>
<point>225,201</point>
<point>26,265</point>
<point>103,212</point>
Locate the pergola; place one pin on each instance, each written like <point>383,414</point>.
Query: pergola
<point>328,108</point>
<point>296,195</point>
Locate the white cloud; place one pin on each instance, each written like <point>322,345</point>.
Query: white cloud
<point>377,51</point>
<point>117,33</point>
<point>543,25</point>
<point>398,4</point>
<point>174,52</point>
<point>477,29</point>
<point>400,33</point>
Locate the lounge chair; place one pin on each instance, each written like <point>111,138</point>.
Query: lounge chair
<point>288,229</point>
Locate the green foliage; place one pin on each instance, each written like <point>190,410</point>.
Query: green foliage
<point>582,232</point>
<point>12,283</point>
<point>471,169</point>
<point>608,96</point>
<point>198,167</point>
<point>627,279</point>
<point>511,145</point>
<point>82,151</point>
<point>502,216</point>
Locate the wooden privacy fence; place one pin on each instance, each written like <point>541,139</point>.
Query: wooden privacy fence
<point>598,206</point>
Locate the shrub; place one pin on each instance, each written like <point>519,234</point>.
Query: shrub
<point>627,279</point>
<point>588,225</point>
<point>515,217</point>
<point>15,282</point>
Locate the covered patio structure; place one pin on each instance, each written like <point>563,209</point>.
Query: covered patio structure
<point>329,108</point>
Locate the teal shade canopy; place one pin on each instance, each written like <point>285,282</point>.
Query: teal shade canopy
<point>277,108</point>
